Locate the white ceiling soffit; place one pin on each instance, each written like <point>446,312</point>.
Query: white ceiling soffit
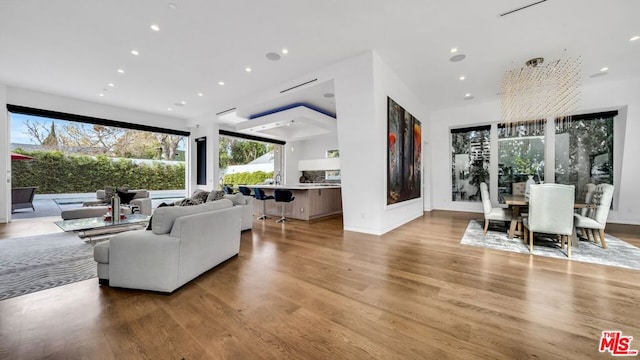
<point>294,124</point>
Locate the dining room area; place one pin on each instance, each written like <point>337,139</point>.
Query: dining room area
<point>548,188</point>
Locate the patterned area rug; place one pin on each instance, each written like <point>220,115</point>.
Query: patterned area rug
<point>33,263</point>
<point>618,253</point>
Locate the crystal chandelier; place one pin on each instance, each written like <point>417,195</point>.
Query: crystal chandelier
<point>537,91</point>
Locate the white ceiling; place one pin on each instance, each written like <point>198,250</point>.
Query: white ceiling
<point>74,47</point>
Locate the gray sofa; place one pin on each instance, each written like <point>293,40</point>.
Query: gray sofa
<point>246,204</point>
<point>184,242</point>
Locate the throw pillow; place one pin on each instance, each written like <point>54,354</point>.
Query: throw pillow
<point>125,196</point>
<point>200,196</point>
<point>186,202</point>
<point>215,195</point>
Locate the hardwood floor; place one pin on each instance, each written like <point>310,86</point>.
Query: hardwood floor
<point>309,290</point>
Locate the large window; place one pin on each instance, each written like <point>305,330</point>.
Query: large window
<point>247,162</point>
<point>470,154</point>
<point>520,154</point>
<point>584,150</point>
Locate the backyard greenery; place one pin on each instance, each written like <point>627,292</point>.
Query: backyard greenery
<point>53,172</point>
<point>247,178</point>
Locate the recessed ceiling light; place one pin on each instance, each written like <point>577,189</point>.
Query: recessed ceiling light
<point>456,58</point>
<point>288,124</point>
<point>200,94</point>
<point>183,102</point>
<point>121,71</point>
<point>462,78</point>
<point>273,56</point>
<point>155,27</point>
<point>135,52</point>
<point>169,109</point>
<point>101,94</point>
<point>328,95</point>
<point>111,84</point>
<point>285,51</point>
<point>173,6</point>
<point>634,38</point>
<point>220,83</point>
<point>454,50</point>
<point>467,95</point>
<point>604,69</point>
<point>247,69</point>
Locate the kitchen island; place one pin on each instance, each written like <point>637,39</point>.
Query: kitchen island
<point>312,201</point>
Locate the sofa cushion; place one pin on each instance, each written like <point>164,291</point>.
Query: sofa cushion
<point>164,217</point>
<point>236,199</point>
<point>216,195</point>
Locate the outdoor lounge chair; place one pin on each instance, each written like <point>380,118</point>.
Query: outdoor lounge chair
<point>22,198</point>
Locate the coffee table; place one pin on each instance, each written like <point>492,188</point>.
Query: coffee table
<point>96,228</point>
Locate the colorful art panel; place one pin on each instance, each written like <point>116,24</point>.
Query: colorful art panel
<point>404,154</point>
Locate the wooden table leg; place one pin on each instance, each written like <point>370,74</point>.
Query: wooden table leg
<point>575,240</point>
<point>515,212</point>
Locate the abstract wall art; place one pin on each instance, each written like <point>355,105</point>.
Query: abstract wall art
<point>404,154</point>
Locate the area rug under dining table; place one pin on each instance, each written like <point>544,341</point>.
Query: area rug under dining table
<point>618,252</point>
<point>33,263</point>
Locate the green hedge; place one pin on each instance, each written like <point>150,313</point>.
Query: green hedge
<point>247,178</point>
<point>54,173</point>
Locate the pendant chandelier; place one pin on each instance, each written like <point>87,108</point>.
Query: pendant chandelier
<point>538,91</point>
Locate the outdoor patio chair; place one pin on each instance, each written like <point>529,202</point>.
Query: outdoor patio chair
<point>22,198</point>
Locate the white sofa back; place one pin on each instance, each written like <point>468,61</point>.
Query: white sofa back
<point>196,243</point>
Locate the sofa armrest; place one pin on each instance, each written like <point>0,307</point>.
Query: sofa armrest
<point>143,260</point>
<point>144,204</point>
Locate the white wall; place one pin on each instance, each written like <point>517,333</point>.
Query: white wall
<point>39,100</point>
<point>362,84</point>
<point>315,148</point>
<point>624,96</point>
<point>5,159</point>
<point>205,125</point>
<point>388,84</point>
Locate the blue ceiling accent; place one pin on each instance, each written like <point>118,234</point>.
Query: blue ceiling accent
<point>287,107</point>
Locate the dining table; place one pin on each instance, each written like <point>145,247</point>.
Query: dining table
<point>519,202</point>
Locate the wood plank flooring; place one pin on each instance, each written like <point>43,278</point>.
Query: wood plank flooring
<point>309,290</point>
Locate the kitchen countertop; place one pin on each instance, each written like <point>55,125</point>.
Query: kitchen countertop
<point>297,186</point>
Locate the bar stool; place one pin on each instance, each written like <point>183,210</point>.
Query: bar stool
<point>259,193</point>
<point>283,196</point>
<point>245,190</point>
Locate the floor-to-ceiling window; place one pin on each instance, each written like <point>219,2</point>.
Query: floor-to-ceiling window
<point>246,161</point>
<point>584,150</point>
<point>72,155</point>
<point>577,150</point>
<point>470,153</point>
<point>520,154</point>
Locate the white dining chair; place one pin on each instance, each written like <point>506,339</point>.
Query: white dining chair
<point>491,213</point>
<point>597,220</point>
<point>550,212</point>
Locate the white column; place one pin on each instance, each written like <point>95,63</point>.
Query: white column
<point>5,159</point>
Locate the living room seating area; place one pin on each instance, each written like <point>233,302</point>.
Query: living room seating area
<point>184,242</point>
